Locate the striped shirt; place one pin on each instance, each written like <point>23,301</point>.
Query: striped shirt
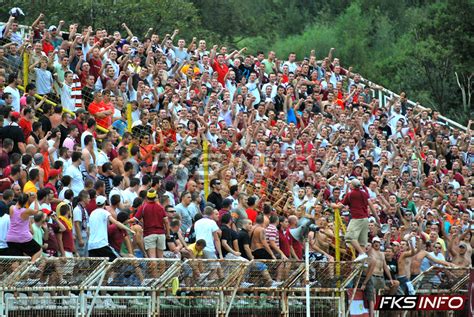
<point>271,233</point>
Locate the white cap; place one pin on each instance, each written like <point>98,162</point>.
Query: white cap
<point>100,200</point>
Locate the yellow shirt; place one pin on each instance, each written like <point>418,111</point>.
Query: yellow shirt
<point>30,187</point>
<point>196,253</point>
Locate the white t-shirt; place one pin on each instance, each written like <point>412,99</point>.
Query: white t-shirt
<point>77,183</point>
<point>204,229</point>
<point>98,223</point>
<point>66,97</point>
<point>129,196</point>
<point>117,191</point>
<point>4,225</point>
<point>16,97</point>
<point>77,214</point>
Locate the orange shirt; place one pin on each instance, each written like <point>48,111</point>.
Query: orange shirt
<point>95,108</point>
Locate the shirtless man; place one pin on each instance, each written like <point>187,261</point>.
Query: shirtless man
<point>258,242</point>
<point>404,261</point>
<point>119,162</point>
<point>381,267</point>
<point>459,255</point>
<point>415,266</point>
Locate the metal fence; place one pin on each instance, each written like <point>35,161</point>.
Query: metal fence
<point>442,280</point>
<point>163,287</point>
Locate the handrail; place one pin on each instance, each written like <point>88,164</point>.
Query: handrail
<point>391,94</point>
<point>39,97</point>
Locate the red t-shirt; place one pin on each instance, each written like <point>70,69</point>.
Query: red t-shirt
<point>221,71</point>
<point>96,65</point>
<point>95,108</point>
<point>285,242</point>
<point>26,126</point>
<point>297,247</point>
<point>153,215</point>
<point>116,236</point>
<point>252,214</point>
<point>358,201</point>
<point>68,240</point>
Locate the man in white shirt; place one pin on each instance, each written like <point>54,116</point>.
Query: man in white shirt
<point>98,224</point>
<point>13,82</point>
<point>207,229</point>
<point>80,219</point>
<point>117,183</point>
<point>77,183</point>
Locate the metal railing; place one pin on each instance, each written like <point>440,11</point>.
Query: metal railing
<point>164,287</point>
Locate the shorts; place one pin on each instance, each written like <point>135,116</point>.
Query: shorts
<point>29,248</point>
<point>171,255</point>
<point>358,229</point>
<point>379,282</point>
<point>209,254</point>
<point>4,252</point>
<point>155,241</point>
<point>403,284</point>
<point>104,252</point>
<point>261,254</point>
<point>369,288</point>
<point>317,257</point>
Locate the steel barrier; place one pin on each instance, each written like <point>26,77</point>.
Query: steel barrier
<point>165,287</point>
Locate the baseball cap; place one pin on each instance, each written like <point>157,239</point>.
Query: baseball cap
<point>46,211</point>
<point>54,172</point>
<point>151,194</point>
<point>52,28</point>
<point>376,239</point>
<point>100,200</point>
<point>134,39</point>
<point>80,111</point>
<point>215,181</point>
<point>15,115</point>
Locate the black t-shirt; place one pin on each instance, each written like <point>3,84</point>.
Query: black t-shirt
<point>63,130</point>
<point>216,199</point>
<point>45,123</point>
<point>393,266</point>
<point>15,133</point>
<point>172,239</point>
<point>244,239</point>
<point>227,236</point>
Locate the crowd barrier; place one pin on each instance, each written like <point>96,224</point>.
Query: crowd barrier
<point>164,287</point>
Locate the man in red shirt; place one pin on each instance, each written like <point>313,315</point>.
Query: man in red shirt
<point>219,65</point>
<point>155,225</point>
<point>117,236</point>
<point>358,230</point>
<point>26,122</point>
<point>101,111</point>
<point>250,211</point>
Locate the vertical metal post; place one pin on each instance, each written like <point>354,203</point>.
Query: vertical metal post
<point>205,164</point>
<point>306,262</point>
<point>26,66</point>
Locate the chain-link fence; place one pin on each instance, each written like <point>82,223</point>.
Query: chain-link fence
<point>442,280</point>
<point>145,287</point>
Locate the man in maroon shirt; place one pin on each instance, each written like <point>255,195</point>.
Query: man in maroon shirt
<point>155,225</point>
<point>117,236</point>
<point>80,122</point>
<point>358,229</point>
